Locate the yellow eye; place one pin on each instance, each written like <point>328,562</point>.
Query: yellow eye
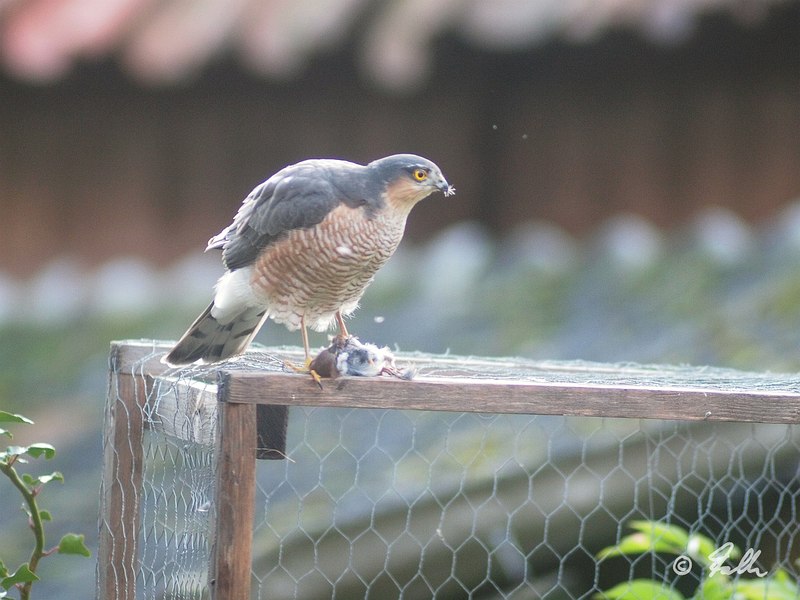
<point>420,174</point>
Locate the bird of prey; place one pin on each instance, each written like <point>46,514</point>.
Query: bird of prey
<point>303,247</point>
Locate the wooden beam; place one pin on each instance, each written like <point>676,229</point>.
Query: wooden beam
<point>506,385</point>
<point>139,357</point>
<point>528,397</point>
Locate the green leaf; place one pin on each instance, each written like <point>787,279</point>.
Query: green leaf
<point>637,543</point>
<point>21,575</point>
<point>34,450</point>
<point>3,570</point>
<point>717,587</point>
<point>7,417</point>
<point>768,588</point>
<point>675,536</point>
<point>54,476</point>
<point>45,515</point>
<point>42,479</point>
<point>640,589</point>
<point>41,449</point>
<point>650,536</point>
<point>5,432</point>
<point>73,544</point>
<point>653,536</point>
<point>782,576</point>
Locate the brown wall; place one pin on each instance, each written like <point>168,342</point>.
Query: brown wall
<point>98,166</point>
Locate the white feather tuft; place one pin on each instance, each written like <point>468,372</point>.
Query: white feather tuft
<point>232,294</point>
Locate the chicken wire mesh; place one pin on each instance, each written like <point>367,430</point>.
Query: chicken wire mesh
<point>164,468</point>
<point>385,504</point>
<point>176,526</point>
<point>382,503</point>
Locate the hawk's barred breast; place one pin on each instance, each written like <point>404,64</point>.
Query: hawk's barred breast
<point>315,272</point>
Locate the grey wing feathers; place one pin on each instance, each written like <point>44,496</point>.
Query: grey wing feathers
<point>296,197</point>
<point>210,340</point>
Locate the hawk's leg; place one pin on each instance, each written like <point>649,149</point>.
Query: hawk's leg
<point>342,327</point>
<point>307,368</point>
<point>304,333</point>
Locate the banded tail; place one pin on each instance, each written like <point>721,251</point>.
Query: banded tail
<point>211,340</point>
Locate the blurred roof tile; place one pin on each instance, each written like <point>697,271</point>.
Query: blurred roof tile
<point>180,36</point>
<point>277,37</point>
<point>168,40</point>
<point>40,39</point>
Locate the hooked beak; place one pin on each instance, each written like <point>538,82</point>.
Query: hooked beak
<point>445,188</point>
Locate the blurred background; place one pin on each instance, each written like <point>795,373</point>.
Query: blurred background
<point>628,177</point>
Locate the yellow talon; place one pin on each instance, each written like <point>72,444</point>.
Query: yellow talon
<point>305,370</point>
<point>315,376</point>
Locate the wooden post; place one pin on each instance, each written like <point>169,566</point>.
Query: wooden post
<point>121,486</point>
<point>231,559</point>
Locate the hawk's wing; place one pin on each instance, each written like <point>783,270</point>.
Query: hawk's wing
<point>298,196</point>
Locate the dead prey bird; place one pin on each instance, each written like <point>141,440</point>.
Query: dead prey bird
<point>349,356</point>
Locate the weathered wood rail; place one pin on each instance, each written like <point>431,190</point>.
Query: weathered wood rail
<point>248,402</point>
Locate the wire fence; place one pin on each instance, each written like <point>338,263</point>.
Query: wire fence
<point>390,503</point>
<point>385,504</point>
